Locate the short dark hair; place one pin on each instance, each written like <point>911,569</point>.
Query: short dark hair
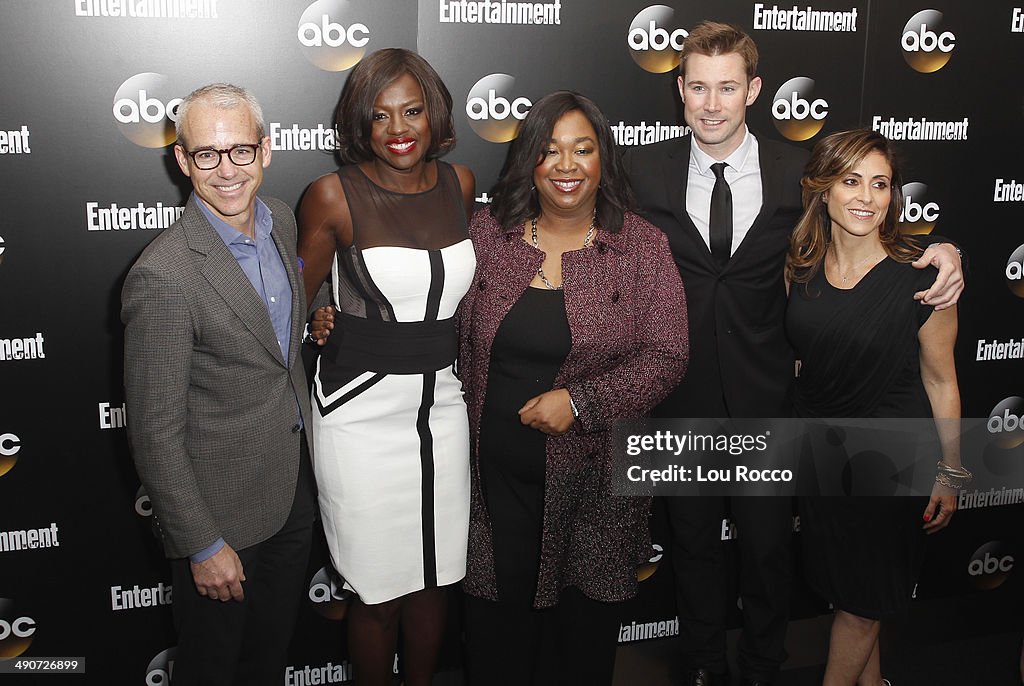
<point>712,38</point>
<point>353,116</point>
<point>515,198</point>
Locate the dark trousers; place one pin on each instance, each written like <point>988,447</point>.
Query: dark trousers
<point>765,529</point>
<point>246,642</point>
<point>570,644</point>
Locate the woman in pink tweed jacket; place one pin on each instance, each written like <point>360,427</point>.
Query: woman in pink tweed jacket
<point>625,349</point>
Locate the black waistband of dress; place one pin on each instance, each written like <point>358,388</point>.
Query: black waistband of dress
<point>392,347</point>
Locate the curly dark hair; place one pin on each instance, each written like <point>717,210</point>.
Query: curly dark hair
<point>515,198</point>
<point>353,116</point>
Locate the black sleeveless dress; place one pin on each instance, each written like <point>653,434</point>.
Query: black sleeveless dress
<point>860,358</point>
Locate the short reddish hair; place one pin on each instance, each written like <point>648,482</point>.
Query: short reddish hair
<point>712,38</point>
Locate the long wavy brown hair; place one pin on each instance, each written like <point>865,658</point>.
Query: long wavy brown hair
<point>831,159</point>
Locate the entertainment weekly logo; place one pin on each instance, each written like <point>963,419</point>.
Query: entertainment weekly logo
<point>15,141</point>
<point>499,12</point>
<point>1008,191</point>
<point>804,19</point>
<point>147,9</point>
<point>21,349</point>
<point>30,539</point>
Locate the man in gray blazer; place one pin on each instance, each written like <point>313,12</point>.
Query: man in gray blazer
<point>213,311</point>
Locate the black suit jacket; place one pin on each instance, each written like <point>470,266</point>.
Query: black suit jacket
<point>738,346</point>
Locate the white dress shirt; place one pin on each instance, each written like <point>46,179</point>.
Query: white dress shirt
<point>744,177</point>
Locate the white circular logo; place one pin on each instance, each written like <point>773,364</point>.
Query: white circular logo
<point>919,214</point>
<point>145,108</point>
<point>1015,272</point>
<point>161,668</point>
<point>798,115</point>
<point>926,47</point>
<point>655,40</point>
<point>494,110</point>
<point>332,38</point>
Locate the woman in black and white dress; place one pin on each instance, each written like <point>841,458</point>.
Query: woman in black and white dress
<point>390,428</point>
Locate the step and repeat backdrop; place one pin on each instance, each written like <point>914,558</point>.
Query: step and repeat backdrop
<point>90,91</point>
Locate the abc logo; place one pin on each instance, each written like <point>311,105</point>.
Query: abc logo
<point>145,108</point>
<point>328,594</point>
<point>143,506</point>
<point>647,569</point>
<point>493,111</point>
<point>1006,422</point>
<point>798,115</point>
<point>161,668</point>
<point>1014,272</point>
<point>10,445</point>
<point>654,39</point>
<point>919,215</point>
<point>990,565</point>
<point>16,630</point>
<point>2,249</point>
<point>330,38</point>
<point>927,48</point>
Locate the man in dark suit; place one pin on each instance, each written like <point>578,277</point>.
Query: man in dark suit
<point>728,202</point>
<point>213,311</point>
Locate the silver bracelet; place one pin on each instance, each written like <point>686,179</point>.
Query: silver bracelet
<point>575,410</point>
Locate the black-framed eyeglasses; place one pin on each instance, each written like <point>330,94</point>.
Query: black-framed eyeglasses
<point>240,155</point>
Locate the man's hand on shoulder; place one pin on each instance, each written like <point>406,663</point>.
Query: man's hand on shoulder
<point>949,284</point>
<point>220,577</point>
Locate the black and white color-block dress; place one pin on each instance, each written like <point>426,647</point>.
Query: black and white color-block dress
<point>389,421</point>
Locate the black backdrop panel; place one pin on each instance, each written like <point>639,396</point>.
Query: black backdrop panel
<point>90,88</point>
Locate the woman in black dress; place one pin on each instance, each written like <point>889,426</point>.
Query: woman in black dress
<point>868,349</point>
<point>576,317</point>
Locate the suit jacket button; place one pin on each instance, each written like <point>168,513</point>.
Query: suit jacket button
<point>296,429</point>
<point>602,248</point>
<point>483,284</point>
<point>615,297</point>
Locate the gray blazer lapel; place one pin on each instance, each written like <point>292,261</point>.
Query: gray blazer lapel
<point>226,277</point>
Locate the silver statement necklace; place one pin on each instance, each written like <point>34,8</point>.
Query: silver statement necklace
<point>586,244</point>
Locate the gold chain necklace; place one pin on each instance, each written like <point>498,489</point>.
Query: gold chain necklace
<point>533,237</point>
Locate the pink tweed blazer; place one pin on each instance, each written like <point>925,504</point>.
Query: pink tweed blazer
<point>627,313</point>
